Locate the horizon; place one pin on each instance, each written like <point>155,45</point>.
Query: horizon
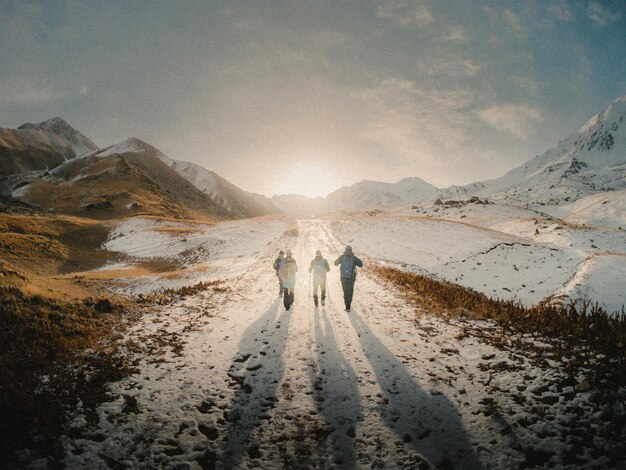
<point>308,98</point>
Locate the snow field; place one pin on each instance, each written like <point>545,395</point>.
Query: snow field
<point>233,380</point>
<point>504,251</point>
<point>205,251</point>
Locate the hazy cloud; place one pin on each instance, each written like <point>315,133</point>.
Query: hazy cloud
<point>561,10</point>
<point>513,21</point>
<point>516,119</point>
<point>454,67</point>
<point>27,91</point>
<point>457,34</point>
<point>601,15</point>
<point>406,12</point>
<point>422,125</point>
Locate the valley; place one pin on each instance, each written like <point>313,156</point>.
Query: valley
<point>141,326</point>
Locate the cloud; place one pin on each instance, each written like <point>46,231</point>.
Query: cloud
<point>455,67</point>
<point>406,12</point>
<point>456,34</point>
<point>513,20</point>
<point>561,11</point>
<point>27,91</point>
<point>515,119</point>
<point>601,15</point>
<point>418,124</point>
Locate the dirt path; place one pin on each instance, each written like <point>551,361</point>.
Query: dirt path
<point>229,379</point>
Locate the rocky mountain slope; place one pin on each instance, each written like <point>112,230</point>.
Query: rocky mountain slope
<point>591,160</point>
<point>40,146</point>
<point>238,202</point>
<point>118,181</point>
<point>48,144</point>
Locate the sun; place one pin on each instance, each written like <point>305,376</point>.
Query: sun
<point>307,179</point>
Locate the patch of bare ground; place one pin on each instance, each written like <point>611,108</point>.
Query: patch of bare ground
<point>39,336</point>
<point>48,317</point>
<point>56,356</point>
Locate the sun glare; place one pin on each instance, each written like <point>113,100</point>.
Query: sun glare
<point>307,179</point>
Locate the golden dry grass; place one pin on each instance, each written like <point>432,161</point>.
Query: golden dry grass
<point>36,251</point>
<point>585,332</point>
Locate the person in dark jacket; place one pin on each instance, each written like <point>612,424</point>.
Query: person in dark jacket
<point>276,266</point>
<point>319,267</point>
<point>348,263</point>
<point>288,270</point>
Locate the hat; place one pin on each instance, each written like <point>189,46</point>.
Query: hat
<point>349,248</point>
<point>318,253</point>
<point>281,252</point>
<point>289,252</point>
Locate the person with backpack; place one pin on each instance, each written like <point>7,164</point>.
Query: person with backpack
<point>348,263</point>
<point>276,266</point>
<point>287,273</point>
<point>319,267</point>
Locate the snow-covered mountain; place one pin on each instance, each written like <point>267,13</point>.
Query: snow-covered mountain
<point>79,143</point>
<point>589,161</point>
<point>237,202</point>
<point>376,193</point>
<point>361,195</point>
<point>48,144</point>
<point>118,181</point>
<point>297,204</point>
<point>40,146</point>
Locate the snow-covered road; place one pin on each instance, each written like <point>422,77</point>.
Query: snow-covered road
<point>228,379</point>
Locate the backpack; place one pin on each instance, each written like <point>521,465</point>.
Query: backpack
<point>348,267</point>
<point>277,263</point>
<point>319,267</point>
<point>289,270</point>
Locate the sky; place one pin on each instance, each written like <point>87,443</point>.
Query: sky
<point>307,96</point>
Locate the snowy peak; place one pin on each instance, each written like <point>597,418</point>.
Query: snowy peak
<point>238,202</point>
<point>368,193</point>
<point>131,145</point>
<point>77,141</point>
<point>591,160</point>
<point>613,114</point>
<point>602,140</point>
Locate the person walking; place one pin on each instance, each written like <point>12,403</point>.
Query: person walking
<point>276,266</point>
<point>348,263</point>
<point>319,267</point>
<point>287,273</point>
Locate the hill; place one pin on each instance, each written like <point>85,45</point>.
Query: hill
<point>238,202</point>
<point>47,145</point>
<point>40,146</point>
<point>121,180</point>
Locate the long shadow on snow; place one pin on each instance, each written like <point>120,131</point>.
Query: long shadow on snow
<point>336,392</point>
<point>428,424</point>
<point>257,370</point>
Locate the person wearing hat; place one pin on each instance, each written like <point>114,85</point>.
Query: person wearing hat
<point>319,267</point>
<point>348,263</point>
<point>276,266</point>
<point>287,274</point>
